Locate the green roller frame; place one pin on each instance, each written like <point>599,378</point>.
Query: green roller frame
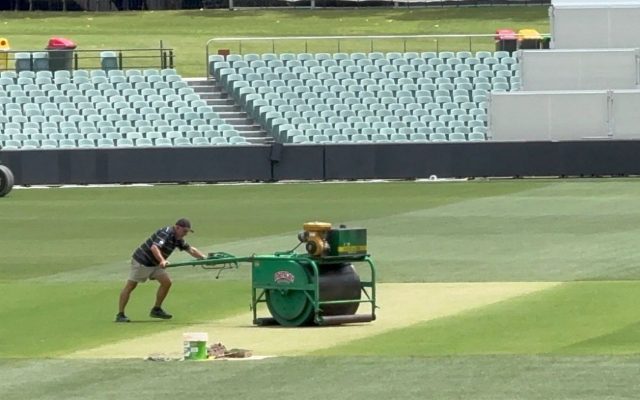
<point>301,289</point>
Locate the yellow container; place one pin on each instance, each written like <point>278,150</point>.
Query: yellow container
<point>529,34</point>
<point>529,39</point>
<point>4,53</point>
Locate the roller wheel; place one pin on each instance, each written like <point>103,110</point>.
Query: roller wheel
<point>290,307</point>
<point>6,180</point>
<point>337,282</point>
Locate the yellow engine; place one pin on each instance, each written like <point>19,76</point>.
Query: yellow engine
<point>315,237</point>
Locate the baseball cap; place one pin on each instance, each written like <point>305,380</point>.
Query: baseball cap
<point>185,223</point>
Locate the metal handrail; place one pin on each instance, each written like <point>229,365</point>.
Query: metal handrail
<point>371,38</point>
<point>161,57</point>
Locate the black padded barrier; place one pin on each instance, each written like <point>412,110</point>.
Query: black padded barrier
<point>300,162</point>
<point>131,165</point>
<point>323,162</point>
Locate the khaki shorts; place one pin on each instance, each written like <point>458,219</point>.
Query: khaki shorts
<point>140,273</point>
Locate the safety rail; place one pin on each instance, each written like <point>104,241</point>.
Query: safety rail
<point>382,43</point>
<point>74,59</point>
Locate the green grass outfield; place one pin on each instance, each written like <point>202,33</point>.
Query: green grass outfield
<point>64,255</point>
<point>188,31</point>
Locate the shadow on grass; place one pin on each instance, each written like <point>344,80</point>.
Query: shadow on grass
<point>141,322</point>
<point>620,341</point>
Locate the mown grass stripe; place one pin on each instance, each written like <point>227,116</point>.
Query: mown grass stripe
<point>574,318</point>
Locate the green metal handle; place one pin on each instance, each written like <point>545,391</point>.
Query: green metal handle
<point>219,260</point>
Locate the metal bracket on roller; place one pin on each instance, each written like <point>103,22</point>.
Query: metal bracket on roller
<point>345,319</point>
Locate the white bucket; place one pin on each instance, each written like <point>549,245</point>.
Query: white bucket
<point>195,345</point>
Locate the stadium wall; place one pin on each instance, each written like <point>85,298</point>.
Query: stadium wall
<point>579,69</point>
<point>323,162</point>
<point>577,24</point>
<point>564,115</point>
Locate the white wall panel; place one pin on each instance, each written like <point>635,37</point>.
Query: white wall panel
<point>595,26</point>
<point>517,116</point>
<point>543,116</point>
<point>578,115</point>
<point>584,69</point>
<point>625,118</point>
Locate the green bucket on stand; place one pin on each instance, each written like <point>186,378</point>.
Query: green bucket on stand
<point>195,345</point>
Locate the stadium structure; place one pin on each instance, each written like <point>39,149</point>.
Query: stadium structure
<point>530,108</point>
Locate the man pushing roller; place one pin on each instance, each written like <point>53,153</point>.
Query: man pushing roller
<point>149,262</point>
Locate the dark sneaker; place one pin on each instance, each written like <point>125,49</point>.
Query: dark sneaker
<point>120,317</point>
<point>157,312</point>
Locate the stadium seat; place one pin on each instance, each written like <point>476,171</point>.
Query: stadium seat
<point>23,62</point>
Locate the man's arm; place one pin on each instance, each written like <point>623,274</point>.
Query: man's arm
<point>158,255</point>
<point>195,253</point>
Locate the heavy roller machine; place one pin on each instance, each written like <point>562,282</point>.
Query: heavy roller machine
<point>317,287</point>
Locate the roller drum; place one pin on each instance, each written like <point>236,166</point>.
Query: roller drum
<point>339,282</point>
<point>336,282</point>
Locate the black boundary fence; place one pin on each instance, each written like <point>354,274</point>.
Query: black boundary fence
<point>323,162</point>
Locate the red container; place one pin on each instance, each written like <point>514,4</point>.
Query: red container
<point>60,54</point>
<point>506,40</point>
<point>506,34</point>
<point>56,43</point>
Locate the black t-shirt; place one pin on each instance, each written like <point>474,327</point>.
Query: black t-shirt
<point>166,240</point>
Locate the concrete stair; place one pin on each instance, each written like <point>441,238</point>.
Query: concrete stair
<point>229,110</point>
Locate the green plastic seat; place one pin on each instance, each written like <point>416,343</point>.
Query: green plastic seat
<point>219,141</point>
<point>143,142</point>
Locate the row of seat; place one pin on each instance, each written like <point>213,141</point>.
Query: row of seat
<point>449,124</point>
<point>353,86</point>
<point>31,144</point>
<point>20,122</point>
<point>289,72</point>
<point>82,73</point>
<point>94,119</point>
<point>108,90</point>
<point>286,132</point>
<point>369,101</point>
<point>137,81</point>
<point>101,103</point>
<point>273,120</point>
<point>384,138</point>
<point>110,133</point>
<point>363,79</point>
<point>361,71</point>
<point>426,55</point>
